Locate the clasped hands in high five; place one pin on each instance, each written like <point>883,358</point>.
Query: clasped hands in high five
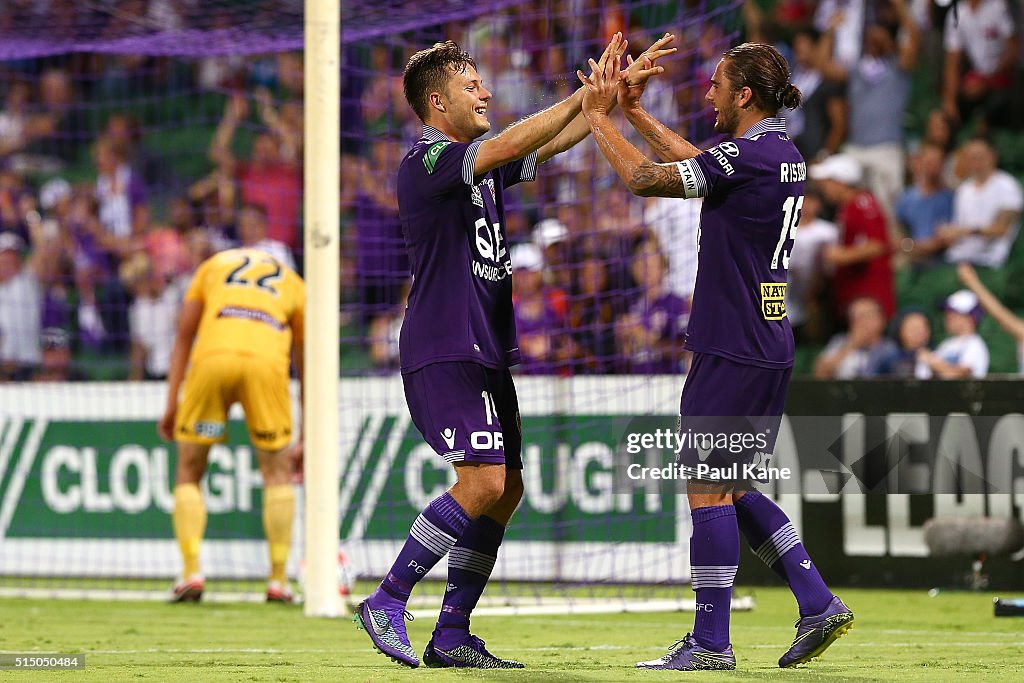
<point>609,84</point>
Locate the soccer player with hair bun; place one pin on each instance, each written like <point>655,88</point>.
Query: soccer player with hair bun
<point>741,340</point>
<point>458,338</point>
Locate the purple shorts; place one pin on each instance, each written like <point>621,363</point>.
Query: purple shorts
<point>731,412</point>
<point>467,412</point>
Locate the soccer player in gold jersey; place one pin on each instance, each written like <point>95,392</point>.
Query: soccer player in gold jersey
<point>240,327</point>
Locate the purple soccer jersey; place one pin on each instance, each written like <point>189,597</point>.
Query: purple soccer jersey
<point>753,190</point>
<point>460,304</point>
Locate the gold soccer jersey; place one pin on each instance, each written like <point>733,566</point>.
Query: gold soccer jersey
<point>250,305</point>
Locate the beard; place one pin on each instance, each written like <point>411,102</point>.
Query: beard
<point>727,120</point>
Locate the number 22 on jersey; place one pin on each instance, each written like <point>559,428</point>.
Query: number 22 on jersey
<point>245,274</point>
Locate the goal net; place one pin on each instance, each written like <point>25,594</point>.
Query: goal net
<point>110,116</point>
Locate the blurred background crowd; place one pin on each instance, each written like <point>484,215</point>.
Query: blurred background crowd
<point>119,173</point>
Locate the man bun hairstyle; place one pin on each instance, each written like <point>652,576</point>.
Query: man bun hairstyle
<point>764,70</point>
<point>790,97</point>
<point>429,71</point>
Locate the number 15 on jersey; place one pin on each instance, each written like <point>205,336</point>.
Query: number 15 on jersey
<point>790,218</point>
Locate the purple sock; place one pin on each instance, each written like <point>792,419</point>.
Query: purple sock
<point>432,535</point>
<point>714,557</point>
<point>772,538</point>
<point>469,567</point>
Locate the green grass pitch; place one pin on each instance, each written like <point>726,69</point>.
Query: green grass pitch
<point>898,635</point>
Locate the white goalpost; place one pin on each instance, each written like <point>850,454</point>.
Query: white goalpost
<point>321,238</point>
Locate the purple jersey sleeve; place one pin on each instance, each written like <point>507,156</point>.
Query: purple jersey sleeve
<point>448,165</point>
<point>519,171</point>
<point>711,170</point>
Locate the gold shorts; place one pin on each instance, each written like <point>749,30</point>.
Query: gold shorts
<point>214,383</point>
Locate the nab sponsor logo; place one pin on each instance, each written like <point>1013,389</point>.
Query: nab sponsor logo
<point>722,159</point>
<point>773,300</point>
<point>487,441</point>
<point>448,434</point>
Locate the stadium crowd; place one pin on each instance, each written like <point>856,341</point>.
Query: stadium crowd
<point>910,218</point>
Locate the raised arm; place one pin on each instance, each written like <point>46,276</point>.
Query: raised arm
<point>534,132</point>
<point>220,147</point>
<point>827,64</point>
<point>641,175</point>
<point>908,48</point>
<point>636,74</point>
<point>667,144</point>
<point>1010,323</point>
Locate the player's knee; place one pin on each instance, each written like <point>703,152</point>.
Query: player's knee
<point>190,470</point>
<point>490,489</point>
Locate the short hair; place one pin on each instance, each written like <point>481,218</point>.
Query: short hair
<point>764,70</point>
<point>430,70</point>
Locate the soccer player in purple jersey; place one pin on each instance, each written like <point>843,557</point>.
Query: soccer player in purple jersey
<point>458,338</point>
<point>752,185</point>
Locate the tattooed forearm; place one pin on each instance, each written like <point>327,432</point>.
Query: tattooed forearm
<point>669,145</point>
<point>656,180</point>
<point>655,141</point>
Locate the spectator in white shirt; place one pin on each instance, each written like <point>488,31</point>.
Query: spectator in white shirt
<point>21,309</point>
<point>963,354</point>
<point>986,210</point>
<point>808,271</point>
<point>983,31</point>
<point>152,318</point>
<point>676,224</point>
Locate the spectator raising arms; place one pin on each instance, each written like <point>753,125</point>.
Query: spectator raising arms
<point>983,30</point>
<point>1011,324</point>
<point>879,91</point>
<point>266,178</point>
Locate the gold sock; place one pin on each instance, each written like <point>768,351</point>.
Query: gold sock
<point>189,524</point>
<point>278,516</point>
